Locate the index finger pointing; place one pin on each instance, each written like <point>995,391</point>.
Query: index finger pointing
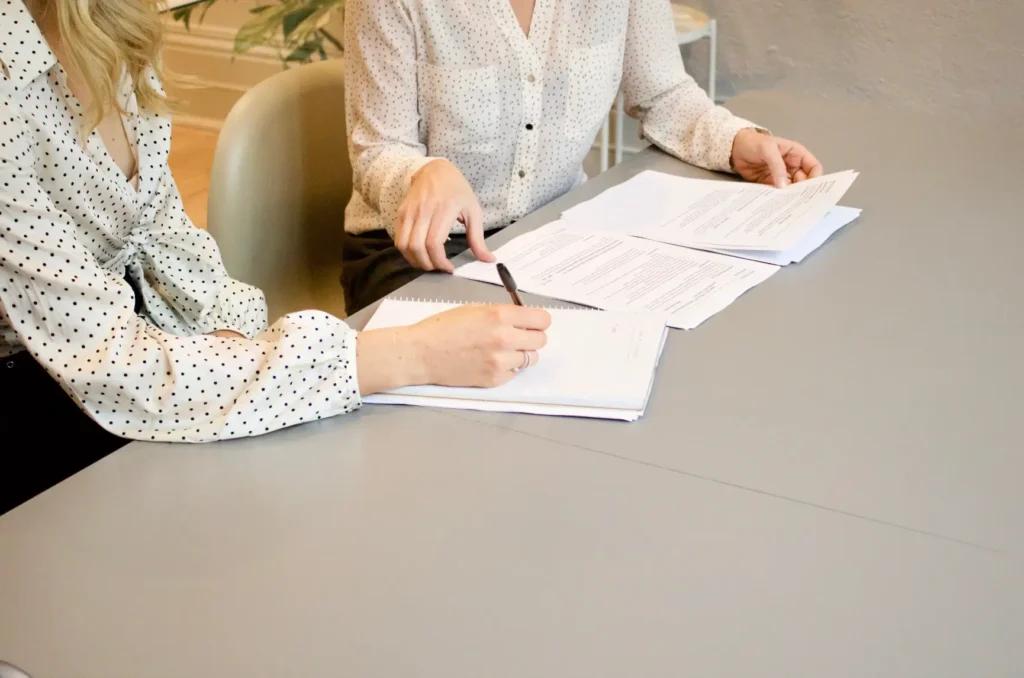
<point>475,234</point>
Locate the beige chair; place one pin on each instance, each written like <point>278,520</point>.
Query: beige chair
<point>11,671</point>
<point>281,178</point>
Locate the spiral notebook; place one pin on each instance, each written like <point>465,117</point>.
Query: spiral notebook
<point>596,364</point>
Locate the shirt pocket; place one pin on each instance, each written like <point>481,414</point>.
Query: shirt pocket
<point>462,108</point>
<point>594,74</point>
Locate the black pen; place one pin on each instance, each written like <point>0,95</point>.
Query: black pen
<point>510,284</point>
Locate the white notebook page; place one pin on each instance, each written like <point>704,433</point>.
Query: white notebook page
<point>593,360</point>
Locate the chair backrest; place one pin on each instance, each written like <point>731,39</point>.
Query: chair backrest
<point>280,182</point>
<point>11,671</point>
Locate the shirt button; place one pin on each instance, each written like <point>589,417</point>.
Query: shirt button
<point>529,126</point>
<point>522,173</point>
<point>531,79</point>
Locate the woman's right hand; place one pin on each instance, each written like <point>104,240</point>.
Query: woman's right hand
<point>466,346</point>
<point>438,197</point>
<point>481,345</point>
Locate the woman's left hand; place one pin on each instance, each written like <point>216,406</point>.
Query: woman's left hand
<point>764,159</point>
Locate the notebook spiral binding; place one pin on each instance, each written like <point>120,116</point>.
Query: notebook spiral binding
<point>485,303</point>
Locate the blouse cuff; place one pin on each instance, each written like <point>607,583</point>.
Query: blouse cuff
<point>239,307</point>
<point>349,397</point>
<point>345,376</point>
<point>415,166</point>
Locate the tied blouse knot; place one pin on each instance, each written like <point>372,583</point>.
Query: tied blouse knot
<point>109,286</point>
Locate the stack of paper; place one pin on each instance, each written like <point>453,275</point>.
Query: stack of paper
<point>776,226</point>
<point>598,365</point>
<point>681,248</point>
<point>617,272</point>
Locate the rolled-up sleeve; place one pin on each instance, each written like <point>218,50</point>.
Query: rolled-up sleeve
<point>675,113</point>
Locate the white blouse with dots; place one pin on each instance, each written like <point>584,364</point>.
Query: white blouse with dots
<point>516,114</point>
<point>73,228</point>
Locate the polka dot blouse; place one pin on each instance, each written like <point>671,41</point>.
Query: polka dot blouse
<point>76,237</point>
<point>516,114</point>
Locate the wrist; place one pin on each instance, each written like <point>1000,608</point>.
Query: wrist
<point>411,354</point>
<point>741,138</point>
<point>432,164</point>
<point>390,358</point>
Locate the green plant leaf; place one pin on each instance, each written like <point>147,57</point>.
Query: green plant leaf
<point>293,20</point>
<point>310,29</point>
<point>184,15</point>
<point>259,30</point>
<point>296,27</point>
<point>303,52</point>
<point>206,8</point>
<point>331,39</point>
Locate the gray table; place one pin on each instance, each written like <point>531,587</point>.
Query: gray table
<point>827,483</point>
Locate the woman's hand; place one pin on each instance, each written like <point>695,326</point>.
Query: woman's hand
<point>481,345</point>
<point>764,159</point>
<point>466,346</point>
<point>438,196</point>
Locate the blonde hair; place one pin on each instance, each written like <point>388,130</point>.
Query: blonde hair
<point>107,38</point>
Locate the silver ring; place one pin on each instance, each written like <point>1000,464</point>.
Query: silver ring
<point>527,361</point>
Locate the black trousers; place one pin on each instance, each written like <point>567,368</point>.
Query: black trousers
<point>46,437</point>
<point>372,267</point>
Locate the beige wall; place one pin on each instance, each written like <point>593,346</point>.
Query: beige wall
<point>228,13</point>
<point>964,55</point>
<point>216,76</point>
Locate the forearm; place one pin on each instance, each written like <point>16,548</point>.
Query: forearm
<point>381,102</point>
<point>135,379</point>
<point>388,359</point>
<point>205,388</point>
<point>383,173</point>
<point>675,113</point>
<point>704,140</point>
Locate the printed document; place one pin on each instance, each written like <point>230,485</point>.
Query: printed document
<point>619,273</point>
<point>713,215</point>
